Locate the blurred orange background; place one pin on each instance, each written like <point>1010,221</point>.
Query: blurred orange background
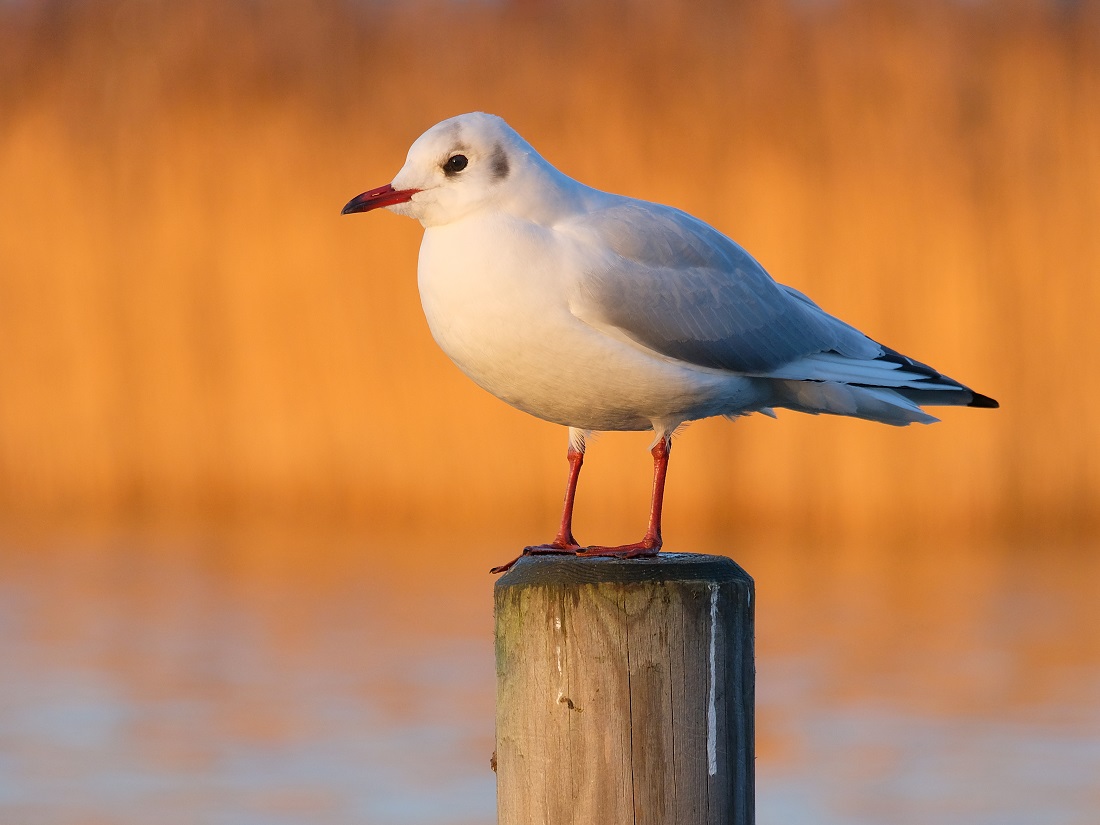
<point>247,506</point>
<point>191,330</point>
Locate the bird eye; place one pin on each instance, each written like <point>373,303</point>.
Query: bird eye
<point>455,164</point>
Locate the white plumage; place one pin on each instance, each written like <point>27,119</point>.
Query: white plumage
<point>602,312</point>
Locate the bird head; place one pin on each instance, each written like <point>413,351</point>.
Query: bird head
<point>458,167</point>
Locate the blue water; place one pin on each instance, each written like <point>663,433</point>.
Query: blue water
<point>198,683</point>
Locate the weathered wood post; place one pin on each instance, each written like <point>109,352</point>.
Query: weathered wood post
<point>625,692</point>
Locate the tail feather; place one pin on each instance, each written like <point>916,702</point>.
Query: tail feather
<point>890,388</point>
<point>882,404</point>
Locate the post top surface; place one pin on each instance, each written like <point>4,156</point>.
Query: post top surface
<point>665,567</point>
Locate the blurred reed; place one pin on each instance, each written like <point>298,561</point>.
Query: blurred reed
<point>190,328</point>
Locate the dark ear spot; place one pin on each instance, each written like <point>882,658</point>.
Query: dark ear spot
<point>498,162</point>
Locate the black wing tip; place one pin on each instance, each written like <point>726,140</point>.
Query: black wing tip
<point>980,400</point>
<point>910,364</point>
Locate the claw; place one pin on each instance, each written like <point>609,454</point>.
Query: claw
<point>552,549</point>
<point>644,549</point>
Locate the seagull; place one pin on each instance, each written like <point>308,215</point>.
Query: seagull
<point>601,312</point>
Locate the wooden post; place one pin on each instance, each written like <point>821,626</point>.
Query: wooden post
<point>625,692</point>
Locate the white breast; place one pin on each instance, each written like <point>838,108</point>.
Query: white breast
<point>500,310</point>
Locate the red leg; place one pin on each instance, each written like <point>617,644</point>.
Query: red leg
<point>564,539</point>
<point>563,543</point>
<point>650,544</point>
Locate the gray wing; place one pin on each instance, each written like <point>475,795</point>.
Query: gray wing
<point>677,286</point>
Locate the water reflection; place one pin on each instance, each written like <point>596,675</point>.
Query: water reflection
<point>309,677</point>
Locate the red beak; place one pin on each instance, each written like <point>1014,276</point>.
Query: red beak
<point>377,198</point>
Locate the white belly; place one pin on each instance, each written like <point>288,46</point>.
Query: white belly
<point>503,317</point>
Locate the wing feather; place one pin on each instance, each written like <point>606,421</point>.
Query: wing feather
<point>677,286</point>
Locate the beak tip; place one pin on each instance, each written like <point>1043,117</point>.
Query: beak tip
<point>378,198</point>
<point>360,203</point>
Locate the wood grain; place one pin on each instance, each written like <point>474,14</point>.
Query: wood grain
<point>625,691</point>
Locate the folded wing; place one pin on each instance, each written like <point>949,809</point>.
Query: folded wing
<point>676,286</point>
